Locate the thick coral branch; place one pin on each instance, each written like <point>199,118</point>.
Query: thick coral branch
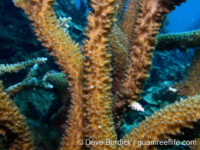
<point>68,57</point>
<point>97,90</point>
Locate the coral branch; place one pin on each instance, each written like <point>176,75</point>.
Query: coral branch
<point>97,90</point>
<point>119,47</point>
<point>181,41</point>
<point>141,52</point>
<point>19,66</point>
<point>191,85</point>
<point>13,125</point>
<point>29,81</point>
<point>164,122</point>
<point>68,57</point>
<point>196,146</point>
<point>90,115</point>
<point>129,18</point>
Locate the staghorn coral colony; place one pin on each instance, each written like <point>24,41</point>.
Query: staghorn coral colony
<point>122,84</point>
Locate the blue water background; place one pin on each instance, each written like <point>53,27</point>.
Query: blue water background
<point>184,16</point>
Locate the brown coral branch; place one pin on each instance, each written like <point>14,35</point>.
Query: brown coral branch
<point>190,85</point>
<point>97,90</point>
<point>119,48</point>
<point>196,146</point>
<point>164,122</point>
<point>141,51</point>
<point>68,57</point>
<point>129,17</point>
<point>97,94</point>
<point>13,125</point>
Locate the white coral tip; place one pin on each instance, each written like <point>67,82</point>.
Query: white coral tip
<point>172,90</point>
<point>136,106</point>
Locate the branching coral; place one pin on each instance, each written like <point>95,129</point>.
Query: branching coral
<point>89,75</point>
<point>69,58</point>
<point>141,52</point>
<point>119,47</point>
<point>165,122</point>
<point>29,81</point>
<point>97,90</point>
<point>128,20</point>
<point>190,85</point>
<point>19,66</point>
<point>13,125</point>
<point>181,41</point>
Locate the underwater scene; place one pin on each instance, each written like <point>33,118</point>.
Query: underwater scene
<point>99,75</point>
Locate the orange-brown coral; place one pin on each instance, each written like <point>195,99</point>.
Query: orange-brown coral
<point>68,57</point>
<point>141,52</point>
<point>97,90</point>
<point>13,125</point>
<point>164,122</point>
<point>129,18</point>
<point>191,84</point>
<point>97,98</point>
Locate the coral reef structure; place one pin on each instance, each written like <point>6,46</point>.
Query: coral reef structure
<point>117,50</point>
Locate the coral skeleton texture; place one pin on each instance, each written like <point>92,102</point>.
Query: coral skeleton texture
<point>94,110</point>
